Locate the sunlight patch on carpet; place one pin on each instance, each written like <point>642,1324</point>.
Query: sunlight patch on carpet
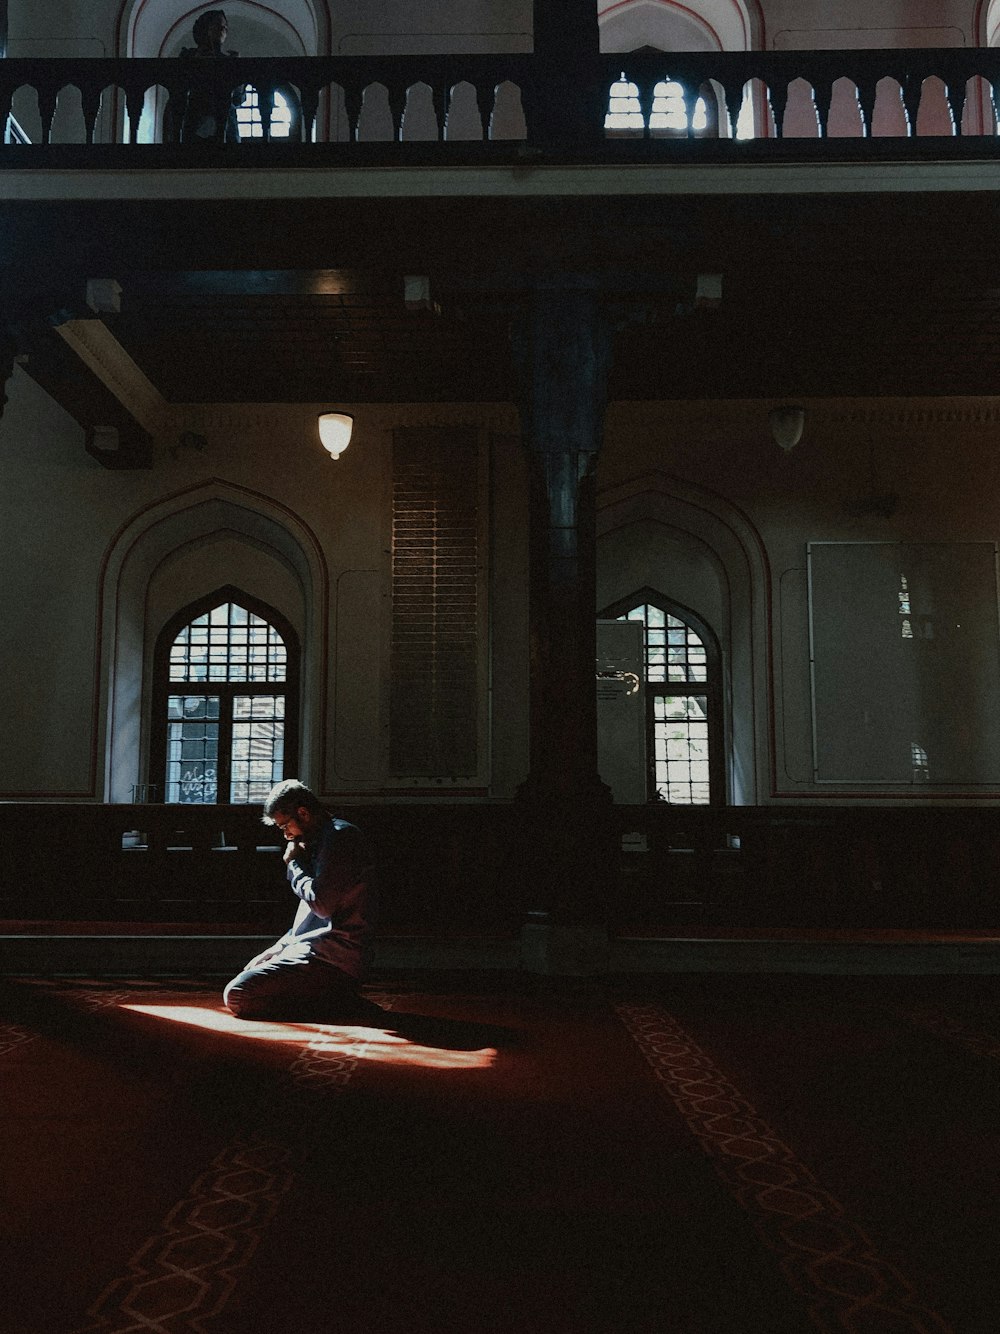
<point>371,1044</point>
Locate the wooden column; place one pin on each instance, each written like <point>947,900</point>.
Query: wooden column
<point>567,100</point>
<point>8,352</point>
<point>562,344</point>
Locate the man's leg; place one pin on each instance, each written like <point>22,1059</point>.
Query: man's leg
<point>295,988</point>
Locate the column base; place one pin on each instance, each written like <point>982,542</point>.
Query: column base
<point>558,949</point>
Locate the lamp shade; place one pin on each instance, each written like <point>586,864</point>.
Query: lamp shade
<point>786,426</point>
<point>335,432</point>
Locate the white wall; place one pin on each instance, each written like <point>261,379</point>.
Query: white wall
<point>105,558</point>
<point>694,499</point>
<point>700,465</point>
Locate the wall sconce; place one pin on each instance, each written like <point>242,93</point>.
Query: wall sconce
<point>335,432</point>
<point>786,426</point>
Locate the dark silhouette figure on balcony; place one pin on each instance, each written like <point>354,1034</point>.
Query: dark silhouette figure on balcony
<point>314,971</point>
<point>210,115</point>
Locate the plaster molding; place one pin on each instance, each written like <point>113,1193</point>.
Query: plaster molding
<point>266,417</point>
<point>974,415</point>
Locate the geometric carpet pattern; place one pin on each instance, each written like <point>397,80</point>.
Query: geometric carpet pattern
<point>823,1253</point>
<point>182,1277</point>
<point>500,1154</point>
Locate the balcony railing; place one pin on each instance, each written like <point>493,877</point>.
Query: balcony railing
<point>494,106</point>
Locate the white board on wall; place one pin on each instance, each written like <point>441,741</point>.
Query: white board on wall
<point>905,662</point>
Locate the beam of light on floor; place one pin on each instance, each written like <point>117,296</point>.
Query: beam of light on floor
<point>368,1044</point>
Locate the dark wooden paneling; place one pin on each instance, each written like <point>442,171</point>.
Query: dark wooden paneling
<point>449,869</point>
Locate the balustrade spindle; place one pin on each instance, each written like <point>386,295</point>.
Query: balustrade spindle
<point>308,111</point>
<point>956,94</point>
<point>911,89</point>
<point>485,113</point>
<point>777,96</point>
<point>398,93</point>
<point>439,101</point>
<point>265,105</point>
<point>867,92</point>
<point>354,97</point>
<point>733,93</point>
<point>48,98</point>
<point>91,99</point>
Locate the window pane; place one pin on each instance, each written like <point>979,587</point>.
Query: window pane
<point>228,644</point>
<point>258,746</point>
<point>680,749</point>
<point>670,112</point>
<point>676,659</point>
<point>192,748</point>
<point>249,119</point>
<point>674,652</point>
<point>624,110</point>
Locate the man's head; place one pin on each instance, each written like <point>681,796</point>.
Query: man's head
<point>210,28</point>
<point>294,809</point>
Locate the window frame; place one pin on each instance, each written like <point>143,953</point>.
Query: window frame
<point>711,689</point>
<point>163,687</point>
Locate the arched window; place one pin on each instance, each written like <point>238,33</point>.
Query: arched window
<point>284,115</point>
<point>225,702</point>
<point>684,726</point>
<point>668,117</point>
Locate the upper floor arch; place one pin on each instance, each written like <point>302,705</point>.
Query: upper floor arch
<point>699,25</point>
<point>987,23</point>
<point>156,28</point>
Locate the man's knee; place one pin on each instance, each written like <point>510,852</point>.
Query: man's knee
<point>243,998</point>
<point>318,993</point>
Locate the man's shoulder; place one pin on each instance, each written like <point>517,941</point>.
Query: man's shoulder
<point>336,823</point>
<point>340,832</point>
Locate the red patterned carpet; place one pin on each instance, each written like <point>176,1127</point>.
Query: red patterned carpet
<point>696,1155</point>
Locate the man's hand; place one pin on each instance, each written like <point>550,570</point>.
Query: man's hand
<point>293,851</point>
<point>265,956</point>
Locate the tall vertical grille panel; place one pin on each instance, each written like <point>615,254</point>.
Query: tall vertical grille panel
<point>435,612</point>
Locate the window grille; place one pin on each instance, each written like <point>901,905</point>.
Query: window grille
<point>249,118</point>
<point>683,693</point>
<point>225,704</point>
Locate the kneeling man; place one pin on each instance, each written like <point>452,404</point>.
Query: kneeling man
<point>313,973</point>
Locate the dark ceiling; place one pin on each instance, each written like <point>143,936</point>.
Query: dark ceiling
<point>822,295</point>
<point>309,337</point>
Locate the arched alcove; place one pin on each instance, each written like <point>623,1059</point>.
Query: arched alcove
<point>657,531</point>
<point>176,551</point>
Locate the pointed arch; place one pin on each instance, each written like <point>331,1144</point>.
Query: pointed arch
<point>156,27</point>
<point>226,689</point>
<point>986,23</point>
<point>697,25</point>
<point>685,727</point>
<point>166,556</point>
<point>663,532</point>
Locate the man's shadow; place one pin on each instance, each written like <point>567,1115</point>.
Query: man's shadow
<point>431,1030</point>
